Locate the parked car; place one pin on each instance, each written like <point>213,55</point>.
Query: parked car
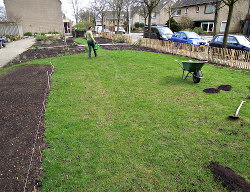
<point>106,31</point>
<point>238,42</point>
<point>120,30</point>
<point>158,32</point>
<point>3,41</point>
<point>188,37</point>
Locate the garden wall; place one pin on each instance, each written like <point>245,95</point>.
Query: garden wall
<point>116,37</point>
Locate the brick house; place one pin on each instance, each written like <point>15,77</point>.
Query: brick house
<point>36,15</point>
<point>202,13</point>
<point>156,17</point>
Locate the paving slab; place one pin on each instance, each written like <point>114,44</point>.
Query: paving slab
<point>13,49</point>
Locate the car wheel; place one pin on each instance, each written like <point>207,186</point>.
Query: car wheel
<point>4,44</point>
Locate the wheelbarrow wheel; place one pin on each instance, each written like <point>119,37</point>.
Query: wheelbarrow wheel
<point>196,77</point>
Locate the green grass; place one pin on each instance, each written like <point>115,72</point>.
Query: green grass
<point>80,40</point>
<point>126,121</point>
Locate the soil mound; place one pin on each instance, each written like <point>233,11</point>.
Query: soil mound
<point>229,178</point>
<point>102,40</point>
<point>211,90</point>
<point>22,93</point>
<point>121,47</point>
<point>225,87</point>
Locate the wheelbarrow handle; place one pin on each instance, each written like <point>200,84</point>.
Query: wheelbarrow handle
<point>180,64</point>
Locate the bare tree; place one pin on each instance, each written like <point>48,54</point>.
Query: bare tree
<point>171,7</point>
<point>76,9</point>
<point>100,7</point>
<point>143,11</point>
<point>230,4</point>
<point>118,10</point>
<point>150,4</point>
<point>3,16</point>
<point>86,16</point>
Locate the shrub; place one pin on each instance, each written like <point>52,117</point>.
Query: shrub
<point>186,22</point>
<point>199,31</point>
<point>41,37</point>
<point>12,37</point>
<point>174,26</point>
<point>120,40</point>
<point>141,25</point>
<point>27,34</point>
<point>137,24</point>
<point>53,32</point>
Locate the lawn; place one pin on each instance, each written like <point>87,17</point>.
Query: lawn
<point>126,121</point>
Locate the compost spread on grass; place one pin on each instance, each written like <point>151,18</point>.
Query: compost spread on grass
<point>211,90</point>
<point>229,178</point>
<point>225,87</point>
<point>22,92</point>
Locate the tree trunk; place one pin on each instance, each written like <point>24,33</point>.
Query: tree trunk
<point>102,22</point>
<point>149,23</point>
<point>118,22</point>
<point>217,7</point>
<point>230,13</point>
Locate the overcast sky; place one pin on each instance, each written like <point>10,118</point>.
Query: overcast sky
<point>66,7</point>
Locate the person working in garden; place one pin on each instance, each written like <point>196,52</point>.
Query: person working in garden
<point>91,41</point>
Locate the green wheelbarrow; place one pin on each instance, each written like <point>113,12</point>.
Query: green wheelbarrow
<point>193,68</point>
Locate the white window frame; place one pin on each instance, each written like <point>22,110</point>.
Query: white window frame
<point>208,23</point>
<point>221,26</point>
<point>206,9</point>
<point>197,9</point>
<point>186,11</point>
<point>175,14</point>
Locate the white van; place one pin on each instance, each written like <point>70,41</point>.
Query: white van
<point>121,29</point>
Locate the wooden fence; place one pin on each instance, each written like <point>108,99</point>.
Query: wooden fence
<point>231,57</point>
<point>117,37</point>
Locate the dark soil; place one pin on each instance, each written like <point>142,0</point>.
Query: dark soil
<point>211,90</point>
<point>22,93</point>
<point>47,49</point>
<point>102,40</point>
<point>225,87</point>
<point>41,53</point>
<point>128,47</point>
<point>229,178</point>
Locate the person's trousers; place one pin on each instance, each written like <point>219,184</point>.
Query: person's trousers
<point>91,45</point>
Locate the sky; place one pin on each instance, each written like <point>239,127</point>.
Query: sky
<point>66,6</point>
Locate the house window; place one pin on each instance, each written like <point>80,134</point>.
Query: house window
<point>177,12</point>
<point>186,11</point>
<point>197,9</point>
<point>153,15</point>
<point>209,9</point>
<point>223,26</point>
<point>207,26</point>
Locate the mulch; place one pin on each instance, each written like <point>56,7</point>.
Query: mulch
<point>229,178</point>
<point>22,93</point>
<point>225,87</point>
<point>211,90</point>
